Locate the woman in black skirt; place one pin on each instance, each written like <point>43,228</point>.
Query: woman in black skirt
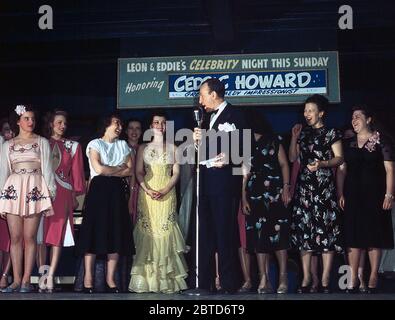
<point>106,227</point>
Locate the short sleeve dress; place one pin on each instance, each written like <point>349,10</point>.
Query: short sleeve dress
<point>366,224</point>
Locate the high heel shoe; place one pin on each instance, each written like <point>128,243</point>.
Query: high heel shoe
<point>283,283</point>
<point>304,289</point>
<point>363,289</point>
<point>4,278</point>
<point>217,284</point>
<point>266,288</point>
<point>353,289</point>
<point>11,289</point>
<point>26,288</point>
<point>325,288</point>
<point>112,289</point>
<point>362,285</point>
<point>50,284</point>
<point>245,288</point>
<point>88,290</point>
<point>372,289</point>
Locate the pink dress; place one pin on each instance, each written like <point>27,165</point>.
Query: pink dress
<point>4,233</point>
<point>25,191</point>
<point>69,177</point>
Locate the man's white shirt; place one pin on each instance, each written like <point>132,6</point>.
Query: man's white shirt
<point>214,117</point>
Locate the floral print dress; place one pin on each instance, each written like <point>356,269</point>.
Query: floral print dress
<point>316,223</point>
<point>267,226</point>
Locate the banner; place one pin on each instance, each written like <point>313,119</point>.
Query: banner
<point>283,78</point>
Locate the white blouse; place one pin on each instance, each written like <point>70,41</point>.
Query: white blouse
<point>112,154</point>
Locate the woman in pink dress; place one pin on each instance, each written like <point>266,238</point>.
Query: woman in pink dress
<point>5,134</point>
<point>133,134</point>
<point>70,182</point>
<point>28,184</point>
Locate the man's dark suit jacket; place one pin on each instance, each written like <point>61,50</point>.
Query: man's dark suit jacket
<point>222,181</point>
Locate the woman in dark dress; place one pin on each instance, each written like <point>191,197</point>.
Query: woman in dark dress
<point>366,194</point>
<point>316,225</point>
<point>106,227</point>
<point>265,196</point>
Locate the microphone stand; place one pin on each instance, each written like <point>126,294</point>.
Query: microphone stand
<point>197,291</point>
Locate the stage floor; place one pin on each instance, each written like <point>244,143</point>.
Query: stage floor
<point>178,297</point>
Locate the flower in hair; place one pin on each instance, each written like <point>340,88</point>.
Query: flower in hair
<point>20,109</point>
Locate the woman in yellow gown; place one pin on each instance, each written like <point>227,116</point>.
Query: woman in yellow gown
<point>159,264</point>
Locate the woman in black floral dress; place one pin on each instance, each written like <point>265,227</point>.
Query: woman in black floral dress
<point>265,198</point>
<point>315,225</point>
<point>366,193</point>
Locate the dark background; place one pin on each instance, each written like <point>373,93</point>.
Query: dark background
<point>74,66</point>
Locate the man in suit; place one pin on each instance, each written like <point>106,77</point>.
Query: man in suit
<point>220,189</point>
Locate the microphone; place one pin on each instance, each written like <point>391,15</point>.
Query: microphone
<point>198,115</point>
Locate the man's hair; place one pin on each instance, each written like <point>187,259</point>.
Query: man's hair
<point>215,85</point>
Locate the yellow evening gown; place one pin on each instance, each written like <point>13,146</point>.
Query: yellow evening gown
<point>159,264</point>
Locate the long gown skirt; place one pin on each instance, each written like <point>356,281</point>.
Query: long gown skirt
<point>159,264</point>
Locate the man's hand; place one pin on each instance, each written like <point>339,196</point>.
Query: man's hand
<point>220,160</point>
<point>197,135</point>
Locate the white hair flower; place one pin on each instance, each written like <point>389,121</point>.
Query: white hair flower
<point>20,109</point>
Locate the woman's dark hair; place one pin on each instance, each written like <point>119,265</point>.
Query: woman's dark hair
<point>156,113</point>
<point>124,136</point>
<point>49,118</point>
<point>257,122</point>
<point>375,124</point>
<point>14,117</point>
<point>320,101</point>
<point>150,119</point>
<point>105,122</point>
<point>368,113</point>
<point>133,120</point>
